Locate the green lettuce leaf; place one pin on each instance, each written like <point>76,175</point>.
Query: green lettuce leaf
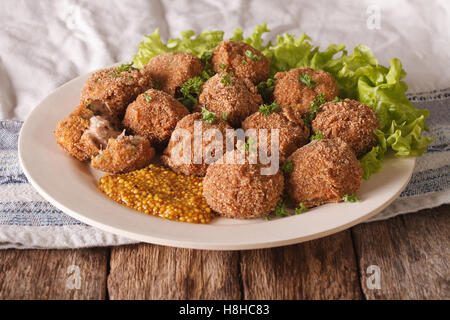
<point>359,76</point>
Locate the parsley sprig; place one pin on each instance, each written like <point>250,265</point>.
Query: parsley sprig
<point>248,146</point>
<point>147,97</point>
<point>314,109</point>
<point>208,71</point>
<point>265,89</point>
<point>288,166</point>
<point>190,91</point>
<point>317,136</point>
<point>350,198</point>
<point>307,80</point>
<point>252,55</point>
<point>126,67</point>
<point>210,117</point>
<point>301,209</point>
<point>267,109</point>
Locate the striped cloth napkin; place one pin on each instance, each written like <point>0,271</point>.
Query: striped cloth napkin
<point>28,221</point>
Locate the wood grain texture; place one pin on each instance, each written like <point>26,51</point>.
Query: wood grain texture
<point>47,274</point>
<point>320,269</point>
<point>412,252</point>
<point>147,271</point>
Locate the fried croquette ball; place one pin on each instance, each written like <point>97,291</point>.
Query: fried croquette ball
<point>124,154</point>
<point>241,59</point>
<point>240,190</point>
<point>82,134</point>
<point>171,70</point>
<point>235,97</point>
<point>154,115</point>
<point>295,96</point>
<point>291,135</point>
<point>350,120</point>
<point>68,135</point>
<point>116,88</point>
<point>206,149</point>
<point>323,172</point>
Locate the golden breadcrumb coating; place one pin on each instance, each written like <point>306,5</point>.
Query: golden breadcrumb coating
<point>232,54</point>
<point>323,172</point>
<point>154,115</point>
<point>240,190</point>
<point>225,94</point>
<point>116,89</point>
<point>124,154</point>
<point>292,135</point>
<point>350,120</point>
<point>170,70</point>
<point>295,97</point>
<point>207,145</point>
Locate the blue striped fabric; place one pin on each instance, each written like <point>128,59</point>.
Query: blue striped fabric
<point>20,205</point>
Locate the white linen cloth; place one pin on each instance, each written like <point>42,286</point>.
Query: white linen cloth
<point>46,43</point>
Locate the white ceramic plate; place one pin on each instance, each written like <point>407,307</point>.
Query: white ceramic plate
<point>71,186</point>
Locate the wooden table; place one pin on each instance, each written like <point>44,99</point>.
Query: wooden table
<point>410,254</point>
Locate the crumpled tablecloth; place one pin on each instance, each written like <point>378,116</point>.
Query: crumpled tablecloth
<point>45,43</point>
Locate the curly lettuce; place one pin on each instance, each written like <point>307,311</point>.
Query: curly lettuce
<point>359,76</point>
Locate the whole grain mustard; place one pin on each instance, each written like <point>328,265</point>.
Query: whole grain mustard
<point>159,192</point>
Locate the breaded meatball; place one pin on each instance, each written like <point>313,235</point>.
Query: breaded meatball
<point>240,190</point>
<point>154,116</point>
<point>171,70</point>
<point>241,59</point>
<point>68,135</point>
<point>124,154</point>
<point>351,121</point>
<point>207,144</point>
<point>292,135</point>
<point>116,88</point>
<point>295,97</point>
<point>238,98</point>
<point>323,172</point>
<point>82,134</point>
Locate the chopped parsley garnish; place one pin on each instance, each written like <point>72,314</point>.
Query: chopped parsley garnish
<point>350,198</point>
<point>224,116</point>
<point>337,99</point>
<point>208,116</point>
<point>208,71</point>
<point>226,80</point>
<point>248,146</point>
<point>317,136</point>
<point>314,109</point>
<point>89,107</point>
<point>147,97</point>
<point>223,66</point>
<point>301,209</point>
<point>318,101</point>
<point>252,55</point>
<point>156,84</point>
<point>127,67</point>
<point>265,89</point>
<point>244,62</point>
<point>288,166</point>
<point>307,80</point>
<point>190,91</point>
<point>267,109</point>
<point>114,74</point>
<point>280,209</point>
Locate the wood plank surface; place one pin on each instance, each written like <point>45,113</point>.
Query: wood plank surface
<point>53,274</point>
<point>412,253</point>
<point>147,271</point>
<point>321,269</point>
